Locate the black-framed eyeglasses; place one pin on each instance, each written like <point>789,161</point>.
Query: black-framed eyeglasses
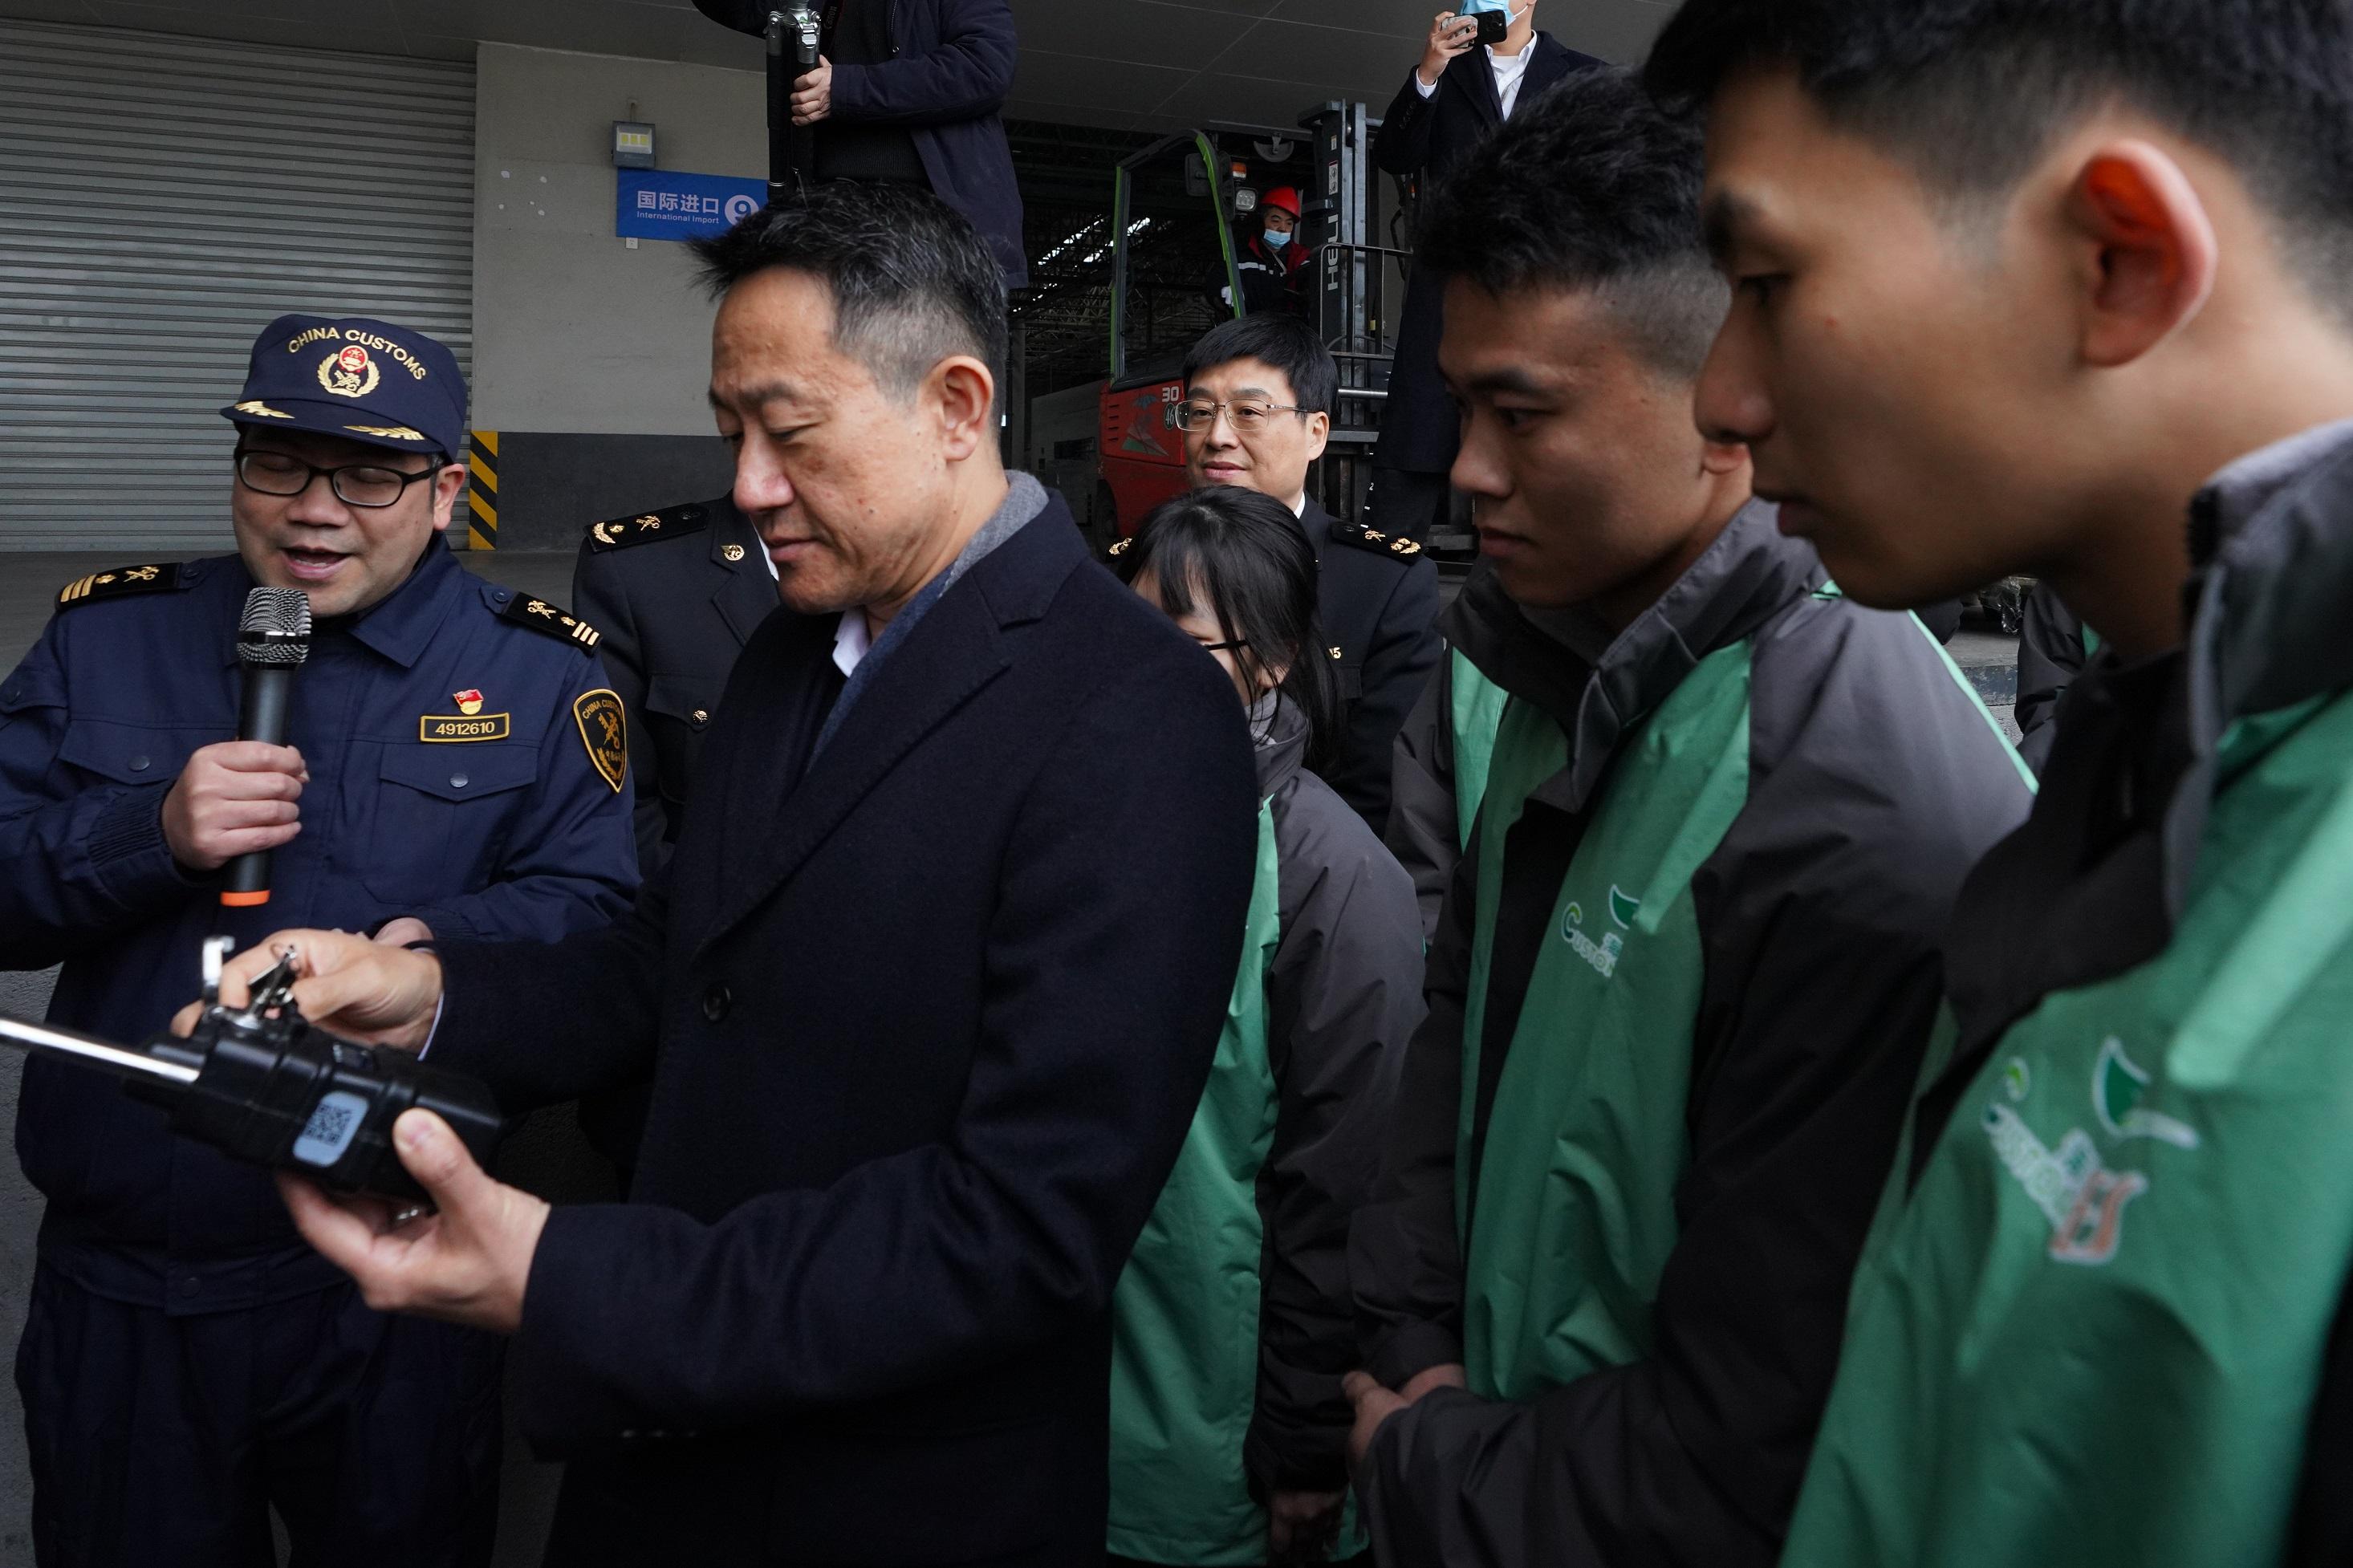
<point>1223,646</point>
<point>1248,416</point>
<point>366,485</point>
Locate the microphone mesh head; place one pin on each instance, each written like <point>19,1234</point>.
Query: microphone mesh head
<point>276,629</point>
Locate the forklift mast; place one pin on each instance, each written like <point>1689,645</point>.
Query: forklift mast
<point>1350,285</point>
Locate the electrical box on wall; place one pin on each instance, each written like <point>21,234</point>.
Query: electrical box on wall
<point>633,144</point>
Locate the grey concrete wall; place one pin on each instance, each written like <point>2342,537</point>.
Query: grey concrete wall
<point>574,331</point>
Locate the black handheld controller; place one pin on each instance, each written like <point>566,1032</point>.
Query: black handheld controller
<point>266,1086</point>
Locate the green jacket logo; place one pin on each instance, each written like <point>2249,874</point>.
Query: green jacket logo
<point>2073,1185</point>
<point>2116,1087</point>
<point>1602,956</point>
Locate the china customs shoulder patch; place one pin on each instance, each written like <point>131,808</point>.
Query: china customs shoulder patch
<point>604,730</point>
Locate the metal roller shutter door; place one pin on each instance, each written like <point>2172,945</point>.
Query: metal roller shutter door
<point>161,199</point>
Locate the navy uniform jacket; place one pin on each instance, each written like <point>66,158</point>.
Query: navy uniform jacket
<point>1377,598</point>
<point>677,593</point>
<point>518,836</point>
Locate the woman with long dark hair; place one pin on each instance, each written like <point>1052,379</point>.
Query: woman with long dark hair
<point>1233,1325</point>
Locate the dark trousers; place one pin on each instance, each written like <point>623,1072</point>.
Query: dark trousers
<point>159,1440</point>
<point>1407,505</point>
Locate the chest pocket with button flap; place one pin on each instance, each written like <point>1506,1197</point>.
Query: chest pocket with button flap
<point>131,754</point>
<point>440,816</point>
<point>679,711</point>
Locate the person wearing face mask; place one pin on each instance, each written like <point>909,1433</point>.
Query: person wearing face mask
<point>1271,263</point>
<point>455,768</point>
<point>1454,100</point>
<point>1257,410</point>
<point>1687,968</point>
<point>1234,1325</point>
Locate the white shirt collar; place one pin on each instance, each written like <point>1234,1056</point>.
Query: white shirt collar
<point>1298,507</point>
<point>850,641</point>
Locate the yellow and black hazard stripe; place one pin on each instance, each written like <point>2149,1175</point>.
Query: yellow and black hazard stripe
<point>482,491</point>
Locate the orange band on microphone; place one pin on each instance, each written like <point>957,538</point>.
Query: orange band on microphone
<point>246,900</point>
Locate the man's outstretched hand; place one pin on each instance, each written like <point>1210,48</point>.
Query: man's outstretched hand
<point>466,1264</point>
<point>347,986</point>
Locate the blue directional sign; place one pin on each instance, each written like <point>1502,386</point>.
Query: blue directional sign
<point>655,203</point>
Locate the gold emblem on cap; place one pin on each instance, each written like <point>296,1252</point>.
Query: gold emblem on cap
<point>732,552</point>
<point>263,409</point>
<point>389,432</point>
<point>349,371</point>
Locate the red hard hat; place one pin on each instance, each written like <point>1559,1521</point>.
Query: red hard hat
<point>1282,197</point>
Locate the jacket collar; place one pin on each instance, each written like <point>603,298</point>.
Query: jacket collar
<point>404,622</point>
<point>1549,60</point>
<point>746,595</point>
<point>1747,576</point>
<point>1279,732</point>
<point>2097,881</point>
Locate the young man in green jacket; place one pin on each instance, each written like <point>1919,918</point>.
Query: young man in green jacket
<point>2061,287</point>
<point>1688,962</point>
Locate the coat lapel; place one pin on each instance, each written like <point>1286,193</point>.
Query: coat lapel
<point>746,594</point>
<point>956,651</point>
<point>1551,64</point>
<point>1475,76</point>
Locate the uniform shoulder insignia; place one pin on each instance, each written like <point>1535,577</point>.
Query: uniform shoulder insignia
<point>1121,548</point>
<point>550,620</point>
<point>161,578</point>
<point>1357,536</point>
<point>646,527</point>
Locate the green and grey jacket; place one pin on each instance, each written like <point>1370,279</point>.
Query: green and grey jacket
<point>2103,1318</point>
<point>1232,1323</point>
<point>1678,998</point>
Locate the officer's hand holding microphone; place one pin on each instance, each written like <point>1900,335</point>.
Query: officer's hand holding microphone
<point>236,798</point>
<point>466,1261</point>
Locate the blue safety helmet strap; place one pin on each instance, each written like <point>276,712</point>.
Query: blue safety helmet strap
<point>361,380</point>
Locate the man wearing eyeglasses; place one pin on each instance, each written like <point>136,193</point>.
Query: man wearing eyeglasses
<point>1257,413</point>
<point>454,770</point>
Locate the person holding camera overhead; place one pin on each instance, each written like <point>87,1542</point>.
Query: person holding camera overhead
<point>1477,68</point>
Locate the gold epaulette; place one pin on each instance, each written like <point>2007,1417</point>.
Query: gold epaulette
<point>161,578</point>
<point>646,527</point>
<point>550,620</point>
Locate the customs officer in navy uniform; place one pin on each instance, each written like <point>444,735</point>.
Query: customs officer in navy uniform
<point>1258,406</point>
<point>677,594</point>
<point>455,769</point>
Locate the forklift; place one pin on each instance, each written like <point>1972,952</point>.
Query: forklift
<point>1173,276</point>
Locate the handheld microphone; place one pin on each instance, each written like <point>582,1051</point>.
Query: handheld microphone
<point>272,641</point>
<point>794,40</point>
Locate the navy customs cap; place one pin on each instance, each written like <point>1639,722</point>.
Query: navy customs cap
<point>359,379</point>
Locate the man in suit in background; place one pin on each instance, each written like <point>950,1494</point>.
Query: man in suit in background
<point>1257,412</point>
<point>930,987</point>
<point>909,92</point>
<point>1457,95</point>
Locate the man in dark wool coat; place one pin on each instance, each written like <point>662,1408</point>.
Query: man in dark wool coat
<point>929,990</point>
